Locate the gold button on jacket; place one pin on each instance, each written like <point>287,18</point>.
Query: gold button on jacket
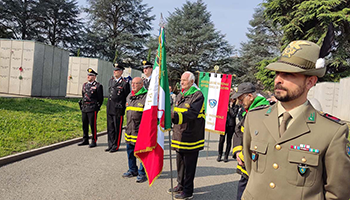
<point>327,173</point>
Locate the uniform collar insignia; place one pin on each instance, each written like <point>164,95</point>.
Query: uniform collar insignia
<point>269,111</point>
<point>311,118</point>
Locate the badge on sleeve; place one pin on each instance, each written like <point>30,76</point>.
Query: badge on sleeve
<point>348,149</point>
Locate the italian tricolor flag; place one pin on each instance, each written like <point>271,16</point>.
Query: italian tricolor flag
<point>216,91</point>
<point>156,117</point>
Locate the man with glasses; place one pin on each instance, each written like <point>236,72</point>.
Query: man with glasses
<point>249,99</point>
<point>90,105</point>
<point>147,70</point>
<point>134,109</point>
<point>119,89</point>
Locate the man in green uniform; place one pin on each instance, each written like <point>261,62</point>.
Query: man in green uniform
<point>134,109</point>
<point>188,137</point>
<point>249,99</point>
<point>292,151</point>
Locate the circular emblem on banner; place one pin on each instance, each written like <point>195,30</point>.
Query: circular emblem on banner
<point>212,103</point>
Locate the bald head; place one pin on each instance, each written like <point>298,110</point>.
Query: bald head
<point>136,84</point>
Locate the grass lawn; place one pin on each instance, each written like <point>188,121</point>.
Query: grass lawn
<point>29,123</point>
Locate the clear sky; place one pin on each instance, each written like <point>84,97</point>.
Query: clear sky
<point>231,17</point>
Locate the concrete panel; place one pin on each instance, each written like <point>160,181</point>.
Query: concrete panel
<point>27,65</point>
<point>56,71</point>
<point>64,74</point>
<point>324,94</point>
<point>84,65</point>
<point>70,63</point>
<point>336,103</point>
<point>47,72</point>
<point>38,69</point>
<point>5,62</point>
<point>344,97</point>
<point>16,63</point>
<point>136,73</point>
<point>75,70</point>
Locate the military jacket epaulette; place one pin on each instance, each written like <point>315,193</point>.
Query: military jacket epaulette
<point>332,118</point>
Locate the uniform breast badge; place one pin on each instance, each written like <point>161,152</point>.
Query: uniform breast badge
<point>304,147</point>
<point>302,169</point>
<point>255,156</point>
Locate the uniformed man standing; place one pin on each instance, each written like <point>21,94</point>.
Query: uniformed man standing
<point>147,70</point>
<point>292,151</point>
<point>134,109</point>
<point>188,137</point>
<point>90,105</point>
<point>119,89</point>
<point>249,99</point>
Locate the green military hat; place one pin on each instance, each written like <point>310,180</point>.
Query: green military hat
<point>91,72</point>
<point>302,57</point>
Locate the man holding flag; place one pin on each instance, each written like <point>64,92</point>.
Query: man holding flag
<point>134,108</point>
<point>156,118</point>
<point>188,137</point>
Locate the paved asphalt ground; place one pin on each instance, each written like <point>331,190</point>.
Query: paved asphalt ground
<point>74,172</point>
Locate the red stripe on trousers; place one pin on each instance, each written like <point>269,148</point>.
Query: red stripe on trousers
<point>95,136</point>
<point>120,131</point>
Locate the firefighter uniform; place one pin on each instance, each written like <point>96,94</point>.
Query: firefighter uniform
<point>118,91</point>
<point>90,104</point>
<point>134,109</point>
<point>188,135</point>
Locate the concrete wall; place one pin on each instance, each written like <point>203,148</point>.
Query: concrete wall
<point>333,97</point>
<point>77,73</point>
<point>30,68</point>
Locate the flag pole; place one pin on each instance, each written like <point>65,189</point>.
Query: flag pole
<point>208,144</point>
<point>171,169</point>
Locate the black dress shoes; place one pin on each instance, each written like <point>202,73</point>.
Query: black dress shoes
<point>108,149</point>
<point>93,144</point>
<point>83,143</point>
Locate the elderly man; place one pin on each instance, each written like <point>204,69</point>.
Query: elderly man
<point>90,105</point>
<point>147,70</point>
<point>188,137</point>
<point>134,108</point>
<point>249,99</point>
<point>291,150</point>
<point>119,89</point>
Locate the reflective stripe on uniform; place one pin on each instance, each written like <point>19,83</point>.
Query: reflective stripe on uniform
<point>180,118</point>
<point>130,138</point>
<point>237,148</point>
<point>182,110</point>
<point>242,170</point>
<point>187,145</point>
<point>240,155</point>
<point>134,109</point>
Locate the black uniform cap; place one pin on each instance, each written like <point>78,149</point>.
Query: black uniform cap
<point>91,72</point>
<point>119,66</point>
<point>146,64</point>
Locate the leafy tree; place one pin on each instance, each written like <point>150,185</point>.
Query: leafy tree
<point>18,19</point>
<point>118,27</point>
<point>263,45</point>
<point>59,23</point>
<point>192,41</point>
<point>308,20</point>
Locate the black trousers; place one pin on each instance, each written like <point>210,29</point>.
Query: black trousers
<point>186,170</point>
<point>228,134</point>
<point>114,130</point>
<point>242,183</point>
<point>89,118</point>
